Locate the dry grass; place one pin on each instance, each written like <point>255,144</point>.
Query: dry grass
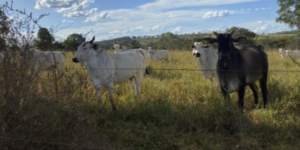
<point>178,110</point>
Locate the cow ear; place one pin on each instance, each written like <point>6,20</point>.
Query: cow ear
<point>95,46</point>
<point>231,32</point>
<point>210,40</point>
<point>92,40</point>
<point>239,39</point>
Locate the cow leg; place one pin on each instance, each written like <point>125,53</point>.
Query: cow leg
<point>263,86</point>
<point>99,94</point>
<point>61,71</point>
<point>111,98</point>
<point>241,94</point>
<point>254,90</point>
<point>225,94</point>
<point>211,81</point>
<point>138,88</point>
<point>132,85</point>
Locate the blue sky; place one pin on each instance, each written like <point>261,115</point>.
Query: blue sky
<point>109,19</point>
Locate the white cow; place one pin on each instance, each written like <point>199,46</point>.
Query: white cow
<point>118,48</point>
<point>282,52</point>
<point>105,69</point>
<point>291,53</point>
<point>157,55</point>
<point>46,60</point>
<point>206,58</point>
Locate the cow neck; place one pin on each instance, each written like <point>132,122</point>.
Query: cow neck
<point>100,60</point>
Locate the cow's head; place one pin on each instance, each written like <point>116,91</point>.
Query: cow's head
<point>150,51</point>
<point>85,50</point>
<point>225,45</point>
<point>198,48</point>
<point>117,46</point>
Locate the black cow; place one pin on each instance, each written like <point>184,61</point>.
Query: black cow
<point>239,66</point>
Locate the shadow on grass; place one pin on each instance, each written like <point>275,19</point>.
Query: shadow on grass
<point>152,124</point>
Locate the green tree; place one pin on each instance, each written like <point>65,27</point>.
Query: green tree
<point>170,41</point>
<point>58,46</point>
<point>4,28</point>
<point>73,41</point>
<point>289,12</point>
<point>238,31</point>
<point>135,44</point>
<point>44,39</point>
<point>4,23</point>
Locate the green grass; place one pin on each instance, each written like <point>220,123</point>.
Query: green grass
<point>178,110</point>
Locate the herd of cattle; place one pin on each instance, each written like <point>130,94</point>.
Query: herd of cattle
<point>234,67</point>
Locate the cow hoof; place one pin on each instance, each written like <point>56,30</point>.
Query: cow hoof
<point>114,109</point>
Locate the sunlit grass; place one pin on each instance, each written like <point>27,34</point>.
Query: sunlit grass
<point>178,109</point>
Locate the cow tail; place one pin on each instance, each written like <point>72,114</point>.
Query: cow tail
<point>147,70</point>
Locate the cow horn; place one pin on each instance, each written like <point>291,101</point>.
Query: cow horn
<point>231,32</point>
<point>92,40</point>
<point>215,33</point>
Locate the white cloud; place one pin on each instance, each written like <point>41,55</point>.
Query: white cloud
<point>97,17</point>
<point>139,28</point>
<point>147,29</point>
<point>40,4</point>
<point>267,26</point>
<point>143,20</point>
<point>69,8</point>
<point>115,32</point>
<point>176,30</point>
<point>76,6</point>
<point>83,13</point>
<point>260,22</point>
<point>157,27</point>
<point>261,29</point>
<point>70,21</point>
<point>170,4</point>
<point>213,14</point>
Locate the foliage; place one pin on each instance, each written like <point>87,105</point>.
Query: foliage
<point>239,31</point>
<point>4,22</point>
<point>44,40</point>
<point>4,27</point>
<point>289,12</point>
<point>135,44</point>
<point>171,41</point>
<point>178,109</point>
<point>58,46</point>
<point>73,41</point>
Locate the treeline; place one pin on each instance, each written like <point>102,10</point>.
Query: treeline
<point>170,41</point>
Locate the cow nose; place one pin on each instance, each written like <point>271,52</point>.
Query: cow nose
<point>75,60</point>
<point>224,57</point>
<point>198,54</point>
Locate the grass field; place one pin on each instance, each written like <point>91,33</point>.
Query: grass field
<point>178,110</point>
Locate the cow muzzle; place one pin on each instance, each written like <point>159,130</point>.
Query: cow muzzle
<point>75,60</point>
<point>197,54</point>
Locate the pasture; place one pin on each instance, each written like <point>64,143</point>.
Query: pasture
<point>178,109</point>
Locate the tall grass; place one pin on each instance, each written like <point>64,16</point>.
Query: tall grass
<point>179,109</point>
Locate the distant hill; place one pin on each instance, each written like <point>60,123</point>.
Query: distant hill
<point>107,44</point>
<point>286,32</point>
